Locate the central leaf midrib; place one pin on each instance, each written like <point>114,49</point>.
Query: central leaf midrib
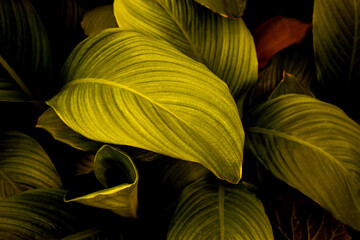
<point>297,140</point>
<point>186,35</point>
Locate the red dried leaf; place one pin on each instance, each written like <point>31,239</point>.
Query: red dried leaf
<point>276,34</point>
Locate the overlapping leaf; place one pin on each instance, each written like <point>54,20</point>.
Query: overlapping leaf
<point>314,147</point>
<point>24,165</point>
<point>226,8</point>
<point>98,19</point>
<point>118,175</point>
<point>216,211</point>
<point>336,35</point>
<point>224,45</point>
<point>25,59</point>
<point>37,214</point>
<point>124,88</point>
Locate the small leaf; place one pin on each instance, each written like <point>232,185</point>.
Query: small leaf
<point>24,165</point>
<point>127,89</point>
<point>98,19</point>
<point>276,34</point>
<point>312,146</point>
<point>25,60</point>
<point>227,8</point>
<point>225,46</point>
<point>336,37</point>
<point>50,121</point>
<point>219,211</point>
<point>303,219</point>
<point>119,178</point>
<point>289,84</point>
<point>37,214</point>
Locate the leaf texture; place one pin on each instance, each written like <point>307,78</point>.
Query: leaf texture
<point>24,165</point>
<point>127,89</point>
<point>227,8</point>
<point>225,46</point>
<point>217,211</point>
<point>314,147</point>
<point>98,19</point>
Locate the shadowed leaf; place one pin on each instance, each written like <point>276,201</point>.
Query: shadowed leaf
<point>98,19</point>
<point>227,8</point>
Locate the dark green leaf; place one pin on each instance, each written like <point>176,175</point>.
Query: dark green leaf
<point>24,165</point>
<point>314,147</point>
<point>219,211</point>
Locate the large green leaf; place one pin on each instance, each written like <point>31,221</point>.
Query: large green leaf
<point>25,60</point>
<point>37,214</point>
<point>98,19</point>
<point>24,165</point>
<point>119,178</point>
<point>224,45</point>
<point>314,147</point>
<point>226,8</point>
<point>209,210</point>
<point>336,34</point>
<point>127,89</point>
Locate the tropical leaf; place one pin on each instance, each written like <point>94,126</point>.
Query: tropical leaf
<point>24,165</point>
<point>26,62</point>
<point>314,147</point>
<point>50,121</point>
<point>289,84</point>
<point>219,211</point>
<point>227,8</point>
<point>98,19</point>
<point>119,178</point>
<point>277,33</point>
<point>336,35</point>
<point>37,214</point>
<point>127,89</point>
<point>300,219</point>
<point>224,45</point>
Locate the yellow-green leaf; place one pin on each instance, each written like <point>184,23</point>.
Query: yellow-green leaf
<point>24,165</point>
<point>98,19</point>
<point>127,89</point>
<point>214,210</point>
<point>314,147</point>
<point>224,45</point>
<point>119,177</point>
<point>226,8</point>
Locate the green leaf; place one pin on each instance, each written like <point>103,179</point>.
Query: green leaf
<point>314,147</point>
<point>127,89</point>
<point>219,211</point>
<point>227,8</point>
<point>336,34</point>
<point>289,84</point>
<point>98,19</point>
<point>24,165</point>
<point>50,121</point>
<point>119,177</point>
<point>37,214</point>
<point>225,46</point>
<point>25,60</point>
<point>300,219</point>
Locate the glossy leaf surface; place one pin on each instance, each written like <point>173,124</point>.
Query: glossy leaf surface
<point>312,146</point>
<point>145,93</point>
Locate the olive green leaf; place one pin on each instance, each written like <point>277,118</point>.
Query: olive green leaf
<point>24,165</point>
<point>208,210</point>
<point>226,8</point>
<point>225,46</point>
<point>336,35</point>
<point>25,60</point>
<point>314,147</point>
<point>290,84</point>
<point>50,121</point>
<point>98,19</point>
<point>37,214</point>
<point>119,178</point>
<point>127,89</point>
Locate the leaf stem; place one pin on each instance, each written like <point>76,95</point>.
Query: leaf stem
<point>16,78</point>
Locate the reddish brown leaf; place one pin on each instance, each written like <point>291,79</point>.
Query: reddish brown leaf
<point>276,34</point>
